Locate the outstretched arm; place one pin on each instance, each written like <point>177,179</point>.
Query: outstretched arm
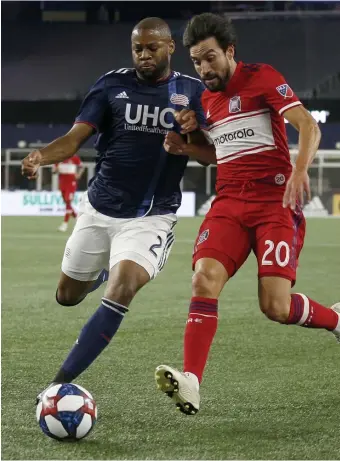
<point>57,151</point>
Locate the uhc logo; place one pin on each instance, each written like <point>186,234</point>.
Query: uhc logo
<point>234,136</point>
<point>144,114</point>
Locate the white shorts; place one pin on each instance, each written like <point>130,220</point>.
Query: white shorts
<point>100,242</point>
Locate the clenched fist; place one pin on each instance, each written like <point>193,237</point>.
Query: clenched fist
<point>186,118</point>
<point>31,164</point>
<point>174,144</point>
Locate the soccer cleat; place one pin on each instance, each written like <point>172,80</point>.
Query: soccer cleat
<point>180,387</point>
<point>63,227</point>
<point>40,396</point>
<point>336,332</point>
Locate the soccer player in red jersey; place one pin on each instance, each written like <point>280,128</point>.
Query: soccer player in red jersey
<point>69,171</point>
<point>258,202</point>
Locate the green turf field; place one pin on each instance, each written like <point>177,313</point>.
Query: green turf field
<point>270,391</point>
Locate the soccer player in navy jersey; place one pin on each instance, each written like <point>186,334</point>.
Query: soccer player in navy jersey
<point>127,216</point>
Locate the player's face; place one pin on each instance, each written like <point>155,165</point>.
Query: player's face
<point>212,63</point>
<point>151,54</point>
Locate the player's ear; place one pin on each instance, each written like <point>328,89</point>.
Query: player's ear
<point>230,53</point>
<point>172,46</point>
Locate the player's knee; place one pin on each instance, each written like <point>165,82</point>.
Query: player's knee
<point>66,297</point>
<point>204,284</point>
<point>125,280</point>
<point>276,309</point>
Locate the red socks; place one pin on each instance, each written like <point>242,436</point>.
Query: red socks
<point>201,326</point>
<point>69,211</point>
<point>308,313</point>
<point>199,334</point>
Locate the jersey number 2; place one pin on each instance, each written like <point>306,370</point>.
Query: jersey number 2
<point>278,249</point>
<point>156,245</point>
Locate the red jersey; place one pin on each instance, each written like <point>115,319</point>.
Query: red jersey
<point>246,125</point>
<point>67,172</point>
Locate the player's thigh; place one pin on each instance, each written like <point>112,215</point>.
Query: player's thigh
<point>146,241</point>
<point>87,250</point>
<point>278,242</point>
<point>222,239</point>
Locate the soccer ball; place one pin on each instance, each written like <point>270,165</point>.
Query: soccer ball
<point>66,412</point>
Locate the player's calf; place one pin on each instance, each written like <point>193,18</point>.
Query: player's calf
<point>276,308</point>
<point>274,298</point>
<point>125,279</point>
<point>296,309</point>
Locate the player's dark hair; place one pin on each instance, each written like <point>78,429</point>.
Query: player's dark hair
<point>154,23</point>
<point>208,25</point>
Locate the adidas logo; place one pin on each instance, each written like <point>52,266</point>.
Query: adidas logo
<point>315,208</point>
<point>122,95</point>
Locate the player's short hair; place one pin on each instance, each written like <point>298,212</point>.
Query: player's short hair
<point>154,23</point>
<point>207,25</point>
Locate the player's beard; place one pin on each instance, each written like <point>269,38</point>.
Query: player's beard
<point>219,83</point>
<point>154,73</point>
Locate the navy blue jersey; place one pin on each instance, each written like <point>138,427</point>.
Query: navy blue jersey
<point>135,176</point>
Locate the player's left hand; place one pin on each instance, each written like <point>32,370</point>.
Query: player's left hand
<point>31,164</point>
<point>297,185</point>
<point>186,118</point>
<point>174,143</point>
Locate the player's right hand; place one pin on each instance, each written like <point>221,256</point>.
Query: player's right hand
<point>31,164</point>
<point>174,143</point>
<point>297,186</point>
<point>186,118</point>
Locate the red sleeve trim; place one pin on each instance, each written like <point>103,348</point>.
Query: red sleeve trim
<point>289,106</point>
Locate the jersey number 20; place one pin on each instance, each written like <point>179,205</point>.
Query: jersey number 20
<point>280,247</point>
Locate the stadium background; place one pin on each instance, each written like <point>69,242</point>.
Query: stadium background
<point>270,392</point>
<point>44,80</point>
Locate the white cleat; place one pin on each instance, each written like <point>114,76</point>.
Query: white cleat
<point>336,332</point>
<point>182,388</point>
<point>63,227</point>
<point>40,396</point>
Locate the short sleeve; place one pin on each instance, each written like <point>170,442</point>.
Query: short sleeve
<point>196,105</point>
<point>278,94</point>
<point>93,108</point>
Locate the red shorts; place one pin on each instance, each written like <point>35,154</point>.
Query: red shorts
<point>68,192</point>
<point>233,227</point>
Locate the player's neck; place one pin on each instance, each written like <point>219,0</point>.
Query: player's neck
<point>166,75</point>
<point>233,66</point>
<point>162,78</point>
